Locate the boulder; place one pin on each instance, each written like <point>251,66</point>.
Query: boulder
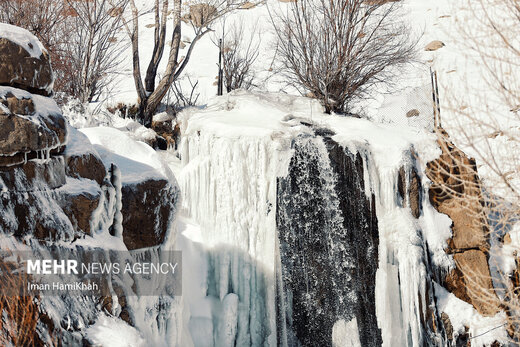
<point>28,123</point>
<point>24,63</point>
<point>85,165</point>
<point>434,45</point>
<point>79,206</point>
<point>148,211</point>
<point>412,113</point>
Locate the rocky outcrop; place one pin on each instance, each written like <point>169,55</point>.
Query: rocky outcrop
<point>24,63</point>
<point>456,191</point>
<point>147,212</point>
<point>55,189</point>
<point>28,124</point>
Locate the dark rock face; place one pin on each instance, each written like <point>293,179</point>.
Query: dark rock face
<point>79,207</point>
<point>409,189</point>
<point>148,209</point>
<point>85,165</point>
<point>328,245</point>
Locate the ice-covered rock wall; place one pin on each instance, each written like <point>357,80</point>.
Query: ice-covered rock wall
<point>320,227</point>
<point>70,191</point>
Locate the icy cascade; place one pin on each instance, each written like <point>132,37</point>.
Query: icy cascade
<point>328,247</point>
<point>314,229</point>
<point>405,299</point>
<point>229,188</point>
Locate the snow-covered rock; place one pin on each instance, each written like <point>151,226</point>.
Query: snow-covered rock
<point>24,62</point>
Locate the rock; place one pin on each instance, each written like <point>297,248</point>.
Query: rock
<point>477,279</point>
<point>24,129</point>
<point>148,209</point>
<point>434,45</point>
<point>247,5</point>
<point>455,191</point>
<point>86,165</point>
<point>34,213</point>
<point>448,327</point>
<point>79,208</point>
<point>34,175</point>
<point>202,14</point>
<point>412,113</point>
<point>22,64</point>
<point>410,192</point>
<point>23,106</point>
<point>414,194</point>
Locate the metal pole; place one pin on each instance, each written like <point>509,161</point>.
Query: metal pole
<point>220,74</point>
<point>434,100</point>
<point>438,100</point>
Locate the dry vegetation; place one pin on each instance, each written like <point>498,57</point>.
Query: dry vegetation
<point>19,311</point>
<point>338,51</point>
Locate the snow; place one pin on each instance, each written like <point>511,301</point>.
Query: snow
<point>345,334</point>
<point>110,331</point>
<point>78,143</point>
<point>136,160</point>
<point>43,106</point>
<point>23,38</point>
<point>483,330</point>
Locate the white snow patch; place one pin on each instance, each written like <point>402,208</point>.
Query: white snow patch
<point>113,332</point>
<point>23,38</point>
<point>136,160</point>
<point>483,330</point>
<point>345,334</point>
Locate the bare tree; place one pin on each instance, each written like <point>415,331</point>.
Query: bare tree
<point>93,47</point>
<point>338,50</point>
<point>239,53</point>
<point>482,114</point>
<point>201,16</point>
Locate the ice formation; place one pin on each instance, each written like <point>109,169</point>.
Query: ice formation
<point>250,165</point>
